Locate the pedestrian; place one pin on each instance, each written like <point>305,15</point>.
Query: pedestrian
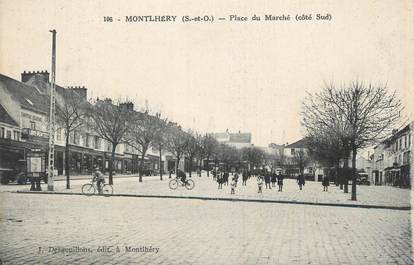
<point>199,172</point>
<point>233,185</point>
<point>244,177</point>
<point>301,181</point>
<point>236,177</point>
<point>226,178</point>
<point>280,181</point>
<point>267,179</point>
<point>259,184</point>
<point>325,183</point>
<point>273,179</point>
<point>219,178</point>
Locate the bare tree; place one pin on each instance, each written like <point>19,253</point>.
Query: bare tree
<point>160,139</point>
<point>254,156</point>
<point>176,142</point>
<point>110,121</point>
<point>301,159</point>
<point>142,134</point>
<point>70,114</point>
<point>210,146</point>
<point>191,149</point>
<point>359,114</point>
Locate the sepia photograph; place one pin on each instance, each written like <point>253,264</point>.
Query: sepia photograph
<point>206,132</point>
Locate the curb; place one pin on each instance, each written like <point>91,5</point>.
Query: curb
<point>367,206</point>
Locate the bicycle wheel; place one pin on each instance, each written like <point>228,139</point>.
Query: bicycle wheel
<point>190,184</point>
<point>107,190</point>
<point>173,184</point>
<point>88,189</point>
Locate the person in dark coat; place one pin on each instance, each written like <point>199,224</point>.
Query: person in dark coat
<point>325,183</point>
<point>219,178</point>
<point>273,179</point>
<point>267,179</point>
<point>280,181</point>
<point>226,178</point>
<point>301,181</point>
<point>245,176</point>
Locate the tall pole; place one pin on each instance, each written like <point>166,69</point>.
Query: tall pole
<point>52,120</point>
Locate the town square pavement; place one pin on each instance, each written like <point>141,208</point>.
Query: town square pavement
<point>76,229</point>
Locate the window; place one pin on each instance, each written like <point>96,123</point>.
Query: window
<point>76,138</point>
<point>108,146</point>
<point>16,135</point>
<point>59,134</point>
<point>97,143</point>
<point>405,141</point>
<point>1,132</point>
<point>33,125</point>
<point>292,151</point>
<point>87,140</point>
<point>8,134</point>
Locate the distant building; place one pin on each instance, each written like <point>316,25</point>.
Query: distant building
<point>238,140</point>
<point>392,159</point>
<point>292,153</point>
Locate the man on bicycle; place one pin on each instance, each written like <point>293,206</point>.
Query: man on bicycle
<point>99,178</point>
<point>182,176</point>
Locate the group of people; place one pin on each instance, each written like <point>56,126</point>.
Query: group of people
<point>265,178</point>
<point>270,179</point>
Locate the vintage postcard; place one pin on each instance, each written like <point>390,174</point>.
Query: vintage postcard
<point>206,132</point>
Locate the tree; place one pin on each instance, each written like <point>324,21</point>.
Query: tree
<point>254,156</point>
<point>301,159</point>
<point>70,114</point>
<point>176,142</point>
<point>360,115</point>
<point>160,139</point>
<point>209,146</point>
<point>142,133</point>
<point>191,149</point>
<point>110,121</point>
<point>328,150</point>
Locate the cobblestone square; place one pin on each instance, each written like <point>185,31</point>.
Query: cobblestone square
<point>36,226</point>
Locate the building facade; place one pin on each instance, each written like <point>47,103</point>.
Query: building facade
<point>24,118</point>
<point>392,159</point>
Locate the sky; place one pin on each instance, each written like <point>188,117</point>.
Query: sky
<point>242,76</point>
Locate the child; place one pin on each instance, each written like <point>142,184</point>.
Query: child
<point>259,184</point>
<point>233,185</point>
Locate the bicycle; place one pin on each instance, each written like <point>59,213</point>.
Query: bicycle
<point>173,184</point>
<point>91,188</point>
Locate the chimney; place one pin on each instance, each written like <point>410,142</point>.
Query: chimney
<point>127,105</point>
<point>42,75</point>
<point>80,90</point>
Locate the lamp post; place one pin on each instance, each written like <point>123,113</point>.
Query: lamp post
<point>52,117</point>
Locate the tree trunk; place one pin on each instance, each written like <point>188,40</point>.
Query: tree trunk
<point>337,173</point>
<point>177,164</point>
<point>345,175</point>
<point>208,166</point>
<point>160,162</point>
<point>141,164</point>
<point>353,193</point>
<point>111,164</point>
<point>67,157</point>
